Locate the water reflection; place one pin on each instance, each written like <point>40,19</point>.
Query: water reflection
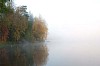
<point>23,55</point>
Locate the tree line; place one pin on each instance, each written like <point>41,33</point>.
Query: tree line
<point>16,24</point>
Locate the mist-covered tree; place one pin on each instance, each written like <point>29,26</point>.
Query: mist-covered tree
<point>31,18</point>
<point>17,24</point>
<point>39,29</point>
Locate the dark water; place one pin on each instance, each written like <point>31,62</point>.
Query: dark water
<point>23,55</point>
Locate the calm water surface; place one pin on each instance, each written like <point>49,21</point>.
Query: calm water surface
<point>23,54</point>
<point>67,52</point>
<point>56,51</point>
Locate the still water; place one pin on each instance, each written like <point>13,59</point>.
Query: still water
<point>73,52</point>
<point>23,55</point>
<point>56,51</point>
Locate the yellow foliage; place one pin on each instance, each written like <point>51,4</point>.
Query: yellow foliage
<point>39,29</point>
<point>17,35</point>
<point>20,24</point>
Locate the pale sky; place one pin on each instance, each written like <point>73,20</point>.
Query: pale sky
<point>68,18</point>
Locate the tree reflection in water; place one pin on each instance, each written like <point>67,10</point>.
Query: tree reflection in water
<point>23,55</point>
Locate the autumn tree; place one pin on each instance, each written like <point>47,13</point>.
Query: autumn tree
<point>19,24</point>
<point>39,29</point>
<point>28,32</point>
<point>4,10</point>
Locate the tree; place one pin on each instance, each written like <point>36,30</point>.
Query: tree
<point>19,23</point>
<point>31,19</point>
<point>39,29</point>
<point>4,10</point>
<point>6,6</point>
<point>15,24</point>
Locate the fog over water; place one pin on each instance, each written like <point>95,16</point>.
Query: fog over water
<point>74,30</point>
<point>73,49</point>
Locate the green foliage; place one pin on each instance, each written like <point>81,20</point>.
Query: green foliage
<point>17,24</point>
<point>5,8</point>
<point>28,32</point>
